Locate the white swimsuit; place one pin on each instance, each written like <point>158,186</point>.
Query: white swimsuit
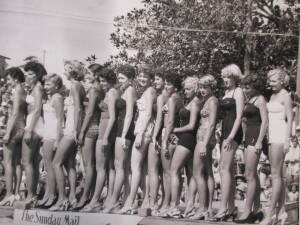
<point>50,126</point>
<point>277,122</point>
<point>39,126</point>
<point>69,125</point>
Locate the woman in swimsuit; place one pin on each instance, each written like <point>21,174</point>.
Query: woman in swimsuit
<point>106,131</point>
<point>231,107</point>
<point>125,110</point>
<point>13,136</point>
<point>206,141</point>
<point>34,127</point>
<point>143,133</point>
<point>280,131</point>
<point>154,162</point>
<point>255,125</point>
<point>53,111</point>
<point>89,131</point>
<point>186,133</point>
<point>66,150</point>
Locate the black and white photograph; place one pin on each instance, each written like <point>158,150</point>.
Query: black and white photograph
<point>149,112</point>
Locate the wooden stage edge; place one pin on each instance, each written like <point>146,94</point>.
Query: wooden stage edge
<point>45,217</point>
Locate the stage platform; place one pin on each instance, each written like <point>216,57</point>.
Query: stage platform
<point>10,216</point>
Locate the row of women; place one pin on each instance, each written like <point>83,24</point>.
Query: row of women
<point>133,138</point>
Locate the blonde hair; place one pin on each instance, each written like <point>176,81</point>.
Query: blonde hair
<point>283,76</point>
<point>56,79</point>
<point>208,80</point>
<point>193,81</point>
<point>232,70</point>
<point>78,67</point>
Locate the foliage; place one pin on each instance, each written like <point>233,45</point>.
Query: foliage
<point>166,34</point>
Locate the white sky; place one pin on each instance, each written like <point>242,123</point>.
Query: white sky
<point>66,29</point>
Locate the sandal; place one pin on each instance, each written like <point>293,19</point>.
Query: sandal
<point>95,207</point>
<point>175,213</point>
<point>199,216</point>
<point>190,213</point>
<point>9,201</point>
<point>62,206</point>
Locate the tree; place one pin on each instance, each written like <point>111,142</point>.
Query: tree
<point>195,36</point>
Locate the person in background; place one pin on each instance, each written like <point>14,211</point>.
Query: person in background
<point>292,159</point>
<point>293,195</point>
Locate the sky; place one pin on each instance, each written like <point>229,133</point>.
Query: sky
<point>63,29</point>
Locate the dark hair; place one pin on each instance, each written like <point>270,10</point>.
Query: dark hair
<point>15,73</point>
<point>174,79</point>
<point>108,74</point>
<point>95,68</point>
<point>127,70</point>
<point>160,73</point>
<point>254,81</point>
<point>56,79</point>
<point>76,75</point>
<point>145,69</point>
<point>37,68</point>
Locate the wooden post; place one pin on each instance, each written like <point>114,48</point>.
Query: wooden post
<point>297,119</point>
<point>248,40</point>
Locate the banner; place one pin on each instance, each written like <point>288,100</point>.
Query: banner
<point>44,217</point>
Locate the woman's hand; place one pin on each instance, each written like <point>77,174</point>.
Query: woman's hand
<point>75,136</point>
<point>27,137</point>
<point>138,140</point>
<point>6,139</point>
<point>203,151</point>
<point>104,143</point>
<point>81,139</point>
<point>124,143</point>
<point>258,147</point>
<point>228,144</point>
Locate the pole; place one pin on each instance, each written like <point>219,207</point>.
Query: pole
<point>297,119</point>
<point>248,39</point>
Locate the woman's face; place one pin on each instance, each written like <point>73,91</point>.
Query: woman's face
<point>248,90</point>
<point>228,81</point>
<point>30,78</point>
<point>158,83</point>
<point>89,80</point>
<point>189,90</point>
<point>67,69</point>
<point>50,87</point>
<point>144,79</point>
<point>170,87</point>
<point>275,83</point>
<point>205,90</point>
<point>122,79</point>
<point>11,82</point>
<point>104,84</point>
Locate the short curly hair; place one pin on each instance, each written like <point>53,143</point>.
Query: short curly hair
<point>193,81</point>
<point>15,73</point>
<point>37,68</point>
<point>255,81</point>
<point>127,70</point>
<point>108,74</point>
<point>208,80</point>
<point>146,70</point>
<point>174,79</point>
<point>283,76</point>
<point>78,70</point>
<point>232,71</point>
<point>56,79</point>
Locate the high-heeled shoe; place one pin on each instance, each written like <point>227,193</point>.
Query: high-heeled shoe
<point>282,218</point>
<point>189,213</point>
<point>220,216</point>
<point>249,219</point>
<point>230,216</point>
<point>9,201</point>
<point>92,207</point>
<point>269,221</point>
<point>258,217</point>
<point>32,201</point>
<point>112,208</point>
<point>62,206</point>
<point>199,216</point>
<point>73,204</point>
<point>175,213</point>
<point>50,202</point>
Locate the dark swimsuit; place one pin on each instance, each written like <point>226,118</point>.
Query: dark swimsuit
<point>228,110</point>
<point>186,139</point>
<point>121,112</point>
<point>253,124</point>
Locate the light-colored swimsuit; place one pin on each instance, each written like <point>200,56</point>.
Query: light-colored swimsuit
<point>39,126</point>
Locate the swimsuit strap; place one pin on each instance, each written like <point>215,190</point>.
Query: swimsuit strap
<point>233,93</point>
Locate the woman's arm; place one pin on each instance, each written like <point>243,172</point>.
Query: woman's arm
<point>112,98</point>
<point>159,117</point>
<point>195,107</point>
<point>287,101</point>
<point>75,92</point>
<point>170,122</point>
<point>94,95</point>
<point>15,113</point>
<point>37,107</point>
<point>212,118</point>
<point>130,101</point>
<point>58,104</point>
<point>262,106</point>
<point>239,100</point>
